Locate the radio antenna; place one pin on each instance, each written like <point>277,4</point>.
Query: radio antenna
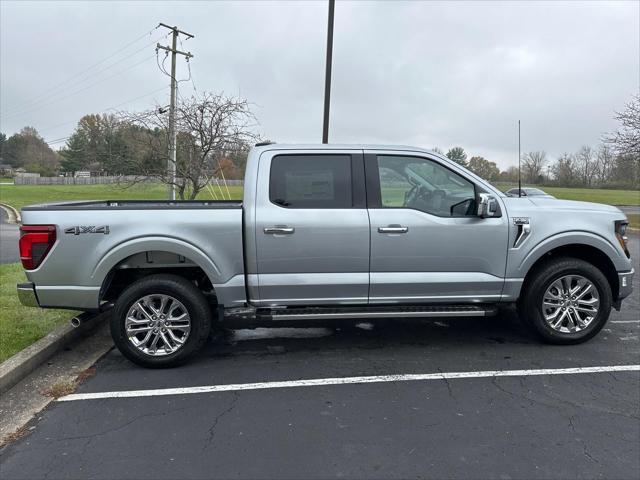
<point>519,166</point>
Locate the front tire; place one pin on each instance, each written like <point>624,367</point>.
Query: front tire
<point>160,321</point>
<point>567,301</point>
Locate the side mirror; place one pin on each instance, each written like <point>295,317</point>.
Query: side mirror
<point>487,206</point>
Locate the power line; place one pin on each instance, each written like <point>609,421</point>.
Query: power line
<point>51,127</point>
<point>58,140</point>
<point>136,98</point>
<point>48,91</point>
<point>193,84</point>
<point>104,110</point>
<point>30,107</point>
<point>162,68</point>
<point>56,100</point>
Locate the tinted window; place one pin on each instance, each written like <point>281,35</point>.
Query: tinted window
<point>311,181</point>
<point>425,185</point>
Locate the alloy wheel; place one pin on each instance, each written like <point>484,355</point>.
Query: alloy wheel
<point>158,325</point>
<point>570,303</point>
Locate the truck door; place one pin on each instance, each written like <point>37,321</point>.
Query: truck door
<point>427,243</point>
<point>311,228</point>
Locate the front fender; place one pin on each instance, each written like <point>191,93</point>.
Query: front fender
<point>620,261</point>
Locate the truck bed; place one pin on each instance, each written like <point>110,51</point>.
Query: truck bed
<point>136,205</point>
<point>95,237</point>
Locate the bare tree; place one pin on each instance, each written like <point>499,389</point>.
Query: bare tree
<point>209,128</point>
<point>626,141</point>
<point>606,163</point>
<point>565,170</point>
<point>533,165</point>
<point>588,164</point>
<point>509,175</point>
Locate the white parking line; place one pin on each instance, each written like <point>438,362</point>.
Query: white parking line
<point>625,321</point>
<point>347,380</point>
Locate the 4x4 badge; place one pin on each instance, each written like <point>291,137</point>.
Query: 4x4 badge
<point>80,229</point>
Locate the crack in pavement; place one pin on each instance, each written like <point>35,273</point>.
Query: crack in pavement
<point>120,427</point>
<point>212,428</point>
<point>446,381</point>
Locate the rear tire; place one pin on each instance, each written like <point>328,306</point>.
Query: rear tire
<point>557,316</point>
<point>160,321</point>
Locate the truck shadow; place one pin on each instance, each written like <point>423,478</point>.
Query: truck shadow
<point>504,328</point>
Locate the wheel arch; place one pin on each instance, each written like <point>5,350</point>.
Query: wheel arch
<point>135,259</point>
<point>583,251</point>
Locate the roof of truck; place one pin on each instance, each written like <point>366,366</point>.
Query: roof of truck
<point>337,146</point>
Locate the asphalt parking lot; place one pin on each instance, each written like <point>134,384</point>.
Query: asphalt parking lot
<point>570,425</point>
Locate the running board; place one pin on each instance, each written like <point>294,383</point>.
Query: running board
<point>320,313</point>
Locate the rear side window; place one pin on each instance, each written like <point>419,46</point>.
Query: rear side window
<point>311,181</point>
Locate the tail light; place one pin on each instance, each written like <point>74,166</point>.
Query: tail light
<point>621,234</point>
<point>35,243</point>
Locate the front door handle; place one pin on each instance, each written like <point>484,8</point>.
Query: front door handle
<point>279,230</point>
<point>393,229</point>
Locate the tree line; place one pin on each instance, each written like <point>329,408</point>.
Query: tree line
<point>589,167</point>
<point>214,133</point>
<point>27,149</point>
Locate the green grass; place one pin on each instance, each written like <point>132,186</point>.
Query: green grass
<point>6,179</point>
<point>597,195</point>
<point>20,326</point>
<point>634,220</point>
<point>19,196</point>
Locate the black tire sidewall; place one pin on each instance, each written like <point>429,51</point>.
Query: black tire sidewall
<point>182,290</point>
<point>531,306</point>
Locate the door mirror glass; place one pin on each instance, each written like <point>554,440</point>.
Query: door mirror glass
<point>487,206</point>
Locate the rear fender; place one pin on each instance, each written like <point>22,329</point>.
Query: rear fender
<point>146,244</point>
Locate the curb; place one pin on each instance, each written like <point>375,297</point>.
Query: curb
<point>24,362</point>
<point>14,215</point>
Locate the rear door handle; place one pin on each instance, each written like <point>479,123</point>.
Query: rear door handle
<point>279,230</point>
<point>393,229</point>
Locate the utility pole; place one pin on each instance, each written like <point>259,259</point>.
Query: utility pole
<point>327,78</point>
<point>171,163</point>
<point>519,161</point>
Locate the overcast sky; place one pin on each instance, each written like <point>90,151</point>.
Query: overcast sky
<point>418,73</point>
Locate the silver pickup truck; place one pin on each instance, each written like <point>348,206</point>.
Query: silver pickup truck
<point>327,233</point>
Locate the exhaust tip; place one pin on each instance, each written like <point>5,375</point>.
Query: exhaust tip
<point>76,322</point>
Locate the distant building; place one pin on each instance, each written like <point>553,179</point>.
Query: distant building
<point>6,170</point>
<point>21,172</point>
